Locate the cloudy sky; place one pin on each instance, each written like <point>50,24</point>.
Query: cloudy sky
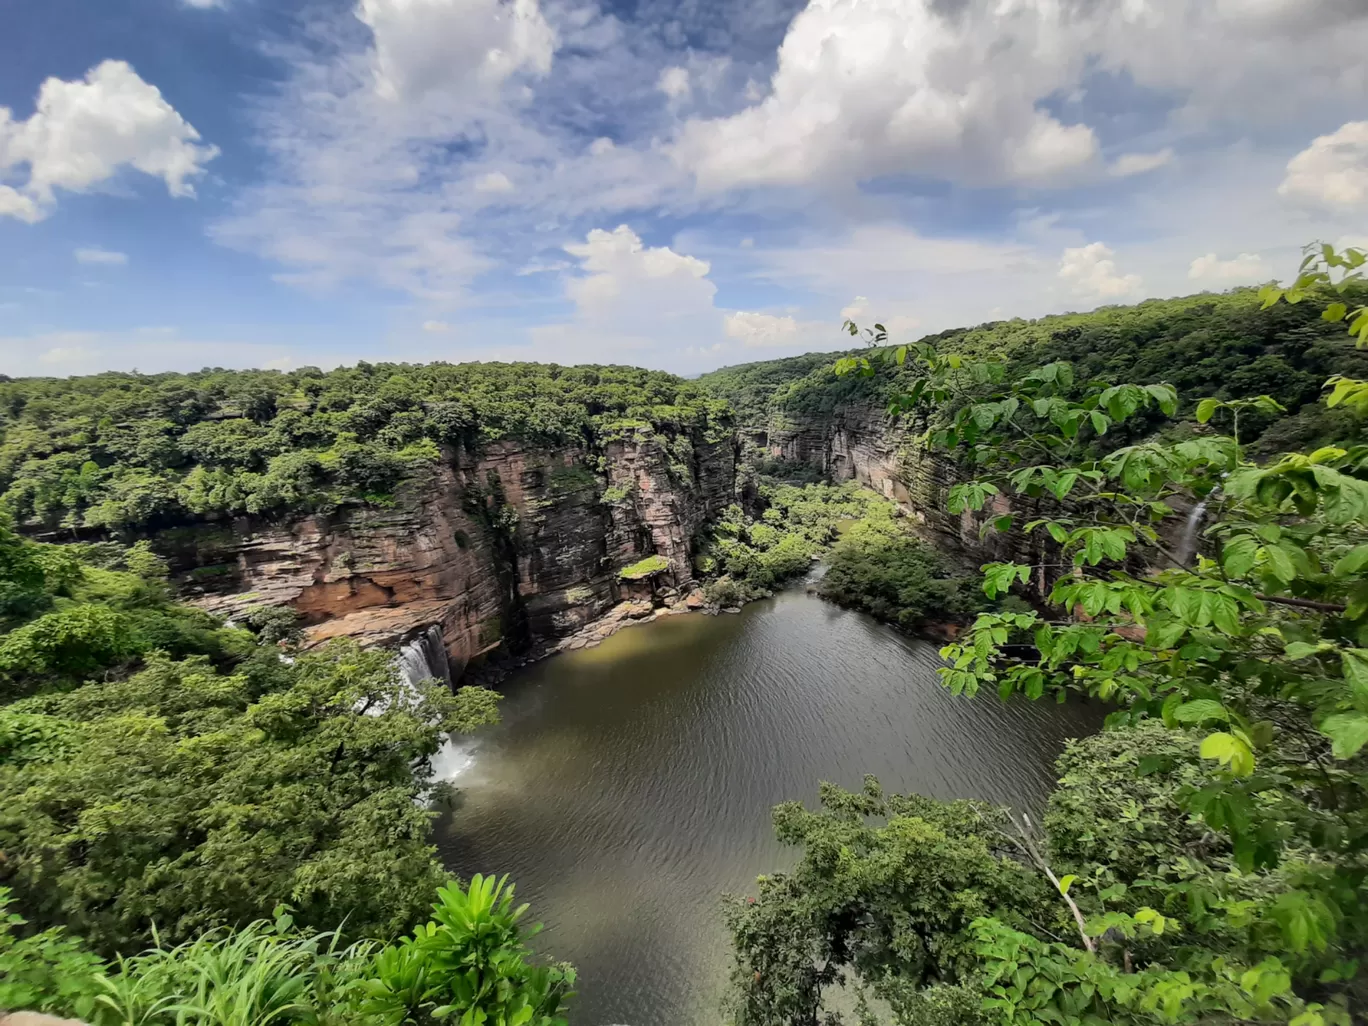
<point>674,183</point>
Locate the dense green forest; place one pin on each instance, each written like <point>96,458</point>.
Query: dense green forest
<point>1224,346</point>
<point>133,451</point>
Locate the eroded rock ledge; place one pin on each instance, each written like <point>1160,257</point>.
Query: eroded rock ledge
<point>516,547</point>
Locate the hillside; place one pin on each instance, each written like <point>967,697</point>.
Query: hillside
<point>1219,345</point>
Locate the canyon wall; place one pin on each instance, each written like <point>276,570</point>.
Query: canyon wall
<point>860,442</point>
<point>511,547</point>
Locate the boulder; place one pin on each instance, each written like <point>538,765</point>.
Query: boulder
<point>695,599</point>
<point>641,610</point>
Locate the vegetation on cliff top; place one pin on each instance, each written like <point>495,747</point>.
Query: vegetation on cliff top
<point>1223,346</point>
<point>1203,861</point>
<point>122,452</point>
<point>644,568</point>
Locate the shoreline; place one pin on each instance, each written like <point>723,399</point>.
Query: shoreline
<point>629,613</point>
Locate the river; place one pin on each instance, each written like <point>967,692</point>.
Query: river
<point>629,786</point>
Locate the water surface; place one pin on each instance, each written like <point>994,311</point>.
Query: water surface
<point>629,786</point>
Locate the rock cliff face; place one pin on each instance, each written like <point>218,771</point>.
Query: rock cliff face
<point>514,546</point>
<point>861,443</point>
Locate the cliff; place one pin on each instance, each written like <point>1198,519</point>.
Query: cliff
<point>513,545</point>
<point>860,442</point>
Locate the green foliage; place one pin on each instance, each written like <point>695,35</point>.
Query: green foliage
<point>469,966</point>
<point>644,568</point>
<point>45,972</point>
<point>752,555</point>
<point>893,900</point>
<point>129,452</point>
<point>879,567</point>
<point>1224,346</point>
<point>160,769</point>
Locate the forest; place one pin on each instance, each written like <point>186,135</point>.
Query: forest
<point>203,822</point>
<point>1220,345</point>
<point>128,452</point>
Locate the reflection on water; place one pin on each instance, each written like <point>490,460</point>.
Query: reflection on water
<point>629,785</point>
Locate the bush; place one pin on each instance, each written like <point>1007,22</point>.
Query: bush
<point>883,571</point>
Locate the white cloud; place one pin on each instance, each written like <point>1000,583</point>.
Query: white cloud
<point>600,146</point>
<point>623,272</point>
<point>458,46</point>
<point>1331,173</point>
<point>969,90</point>
<point>95,255</point>
<point>1091,272</point>
<point>1139,163</point>
<point>14,203</point>
<point>83,132</point>
<point>493,183</point>
<point>436,327</point>
<point>870,87</point>
<point>755,330</point>
<point>674,82</point>
<point>205,5</point>
<point>633,304</point>
<point>1245,269</point>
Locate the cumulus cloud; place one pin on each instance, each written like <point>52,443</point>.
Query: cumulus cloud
<point>460,46</point>
<point>1139,163</point>
<point>95,255</point>
<point>82,133</point>
<point>758,330</point>
<point>1331,173</point>
<point>633,303</point>
<point>1091,273</point>
<point>674,82</point>
<point>436,327</point>
<point>970,90</point>
<point>1245,269</point>
<point>869,87</point>
<point>493,183</point>
<point>624,273</point>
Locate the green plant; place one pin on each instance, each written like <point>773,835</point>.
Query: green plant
<point>470,965</point>
<point>644,568</point>
<point>45,972</point>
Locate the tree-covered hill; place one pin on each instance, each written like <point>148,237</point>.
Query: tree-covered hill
<point>132,451</point>
<point>1218,345</point>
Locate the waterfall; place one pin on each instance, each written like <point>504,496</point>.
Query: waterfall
<point>1187,544</point>
<point>425,657</point>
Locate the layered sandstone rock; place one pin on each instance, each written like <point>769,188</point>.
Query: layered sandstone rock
<point>514,546</point>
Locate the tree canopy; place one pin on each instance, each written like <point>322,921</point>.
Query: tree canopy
<point>126,451</point>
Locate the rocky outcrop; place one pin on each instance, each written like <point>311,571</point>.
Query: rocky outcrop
<point>862,443</point>
<point>509,548</point>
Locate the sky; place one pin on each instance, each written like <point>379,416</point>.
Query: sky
<point>679,184</point>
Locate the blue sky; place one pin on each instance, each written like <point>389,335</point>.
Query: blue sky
<point>679,185</point>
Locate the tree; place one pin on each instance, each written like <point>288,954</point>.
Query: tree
<point>186,799</point>
<point>1245,639</point>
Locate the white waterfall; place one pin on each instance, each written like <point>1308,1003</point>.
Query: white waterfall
<point>1187,544</point>
<point>425,657</point>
